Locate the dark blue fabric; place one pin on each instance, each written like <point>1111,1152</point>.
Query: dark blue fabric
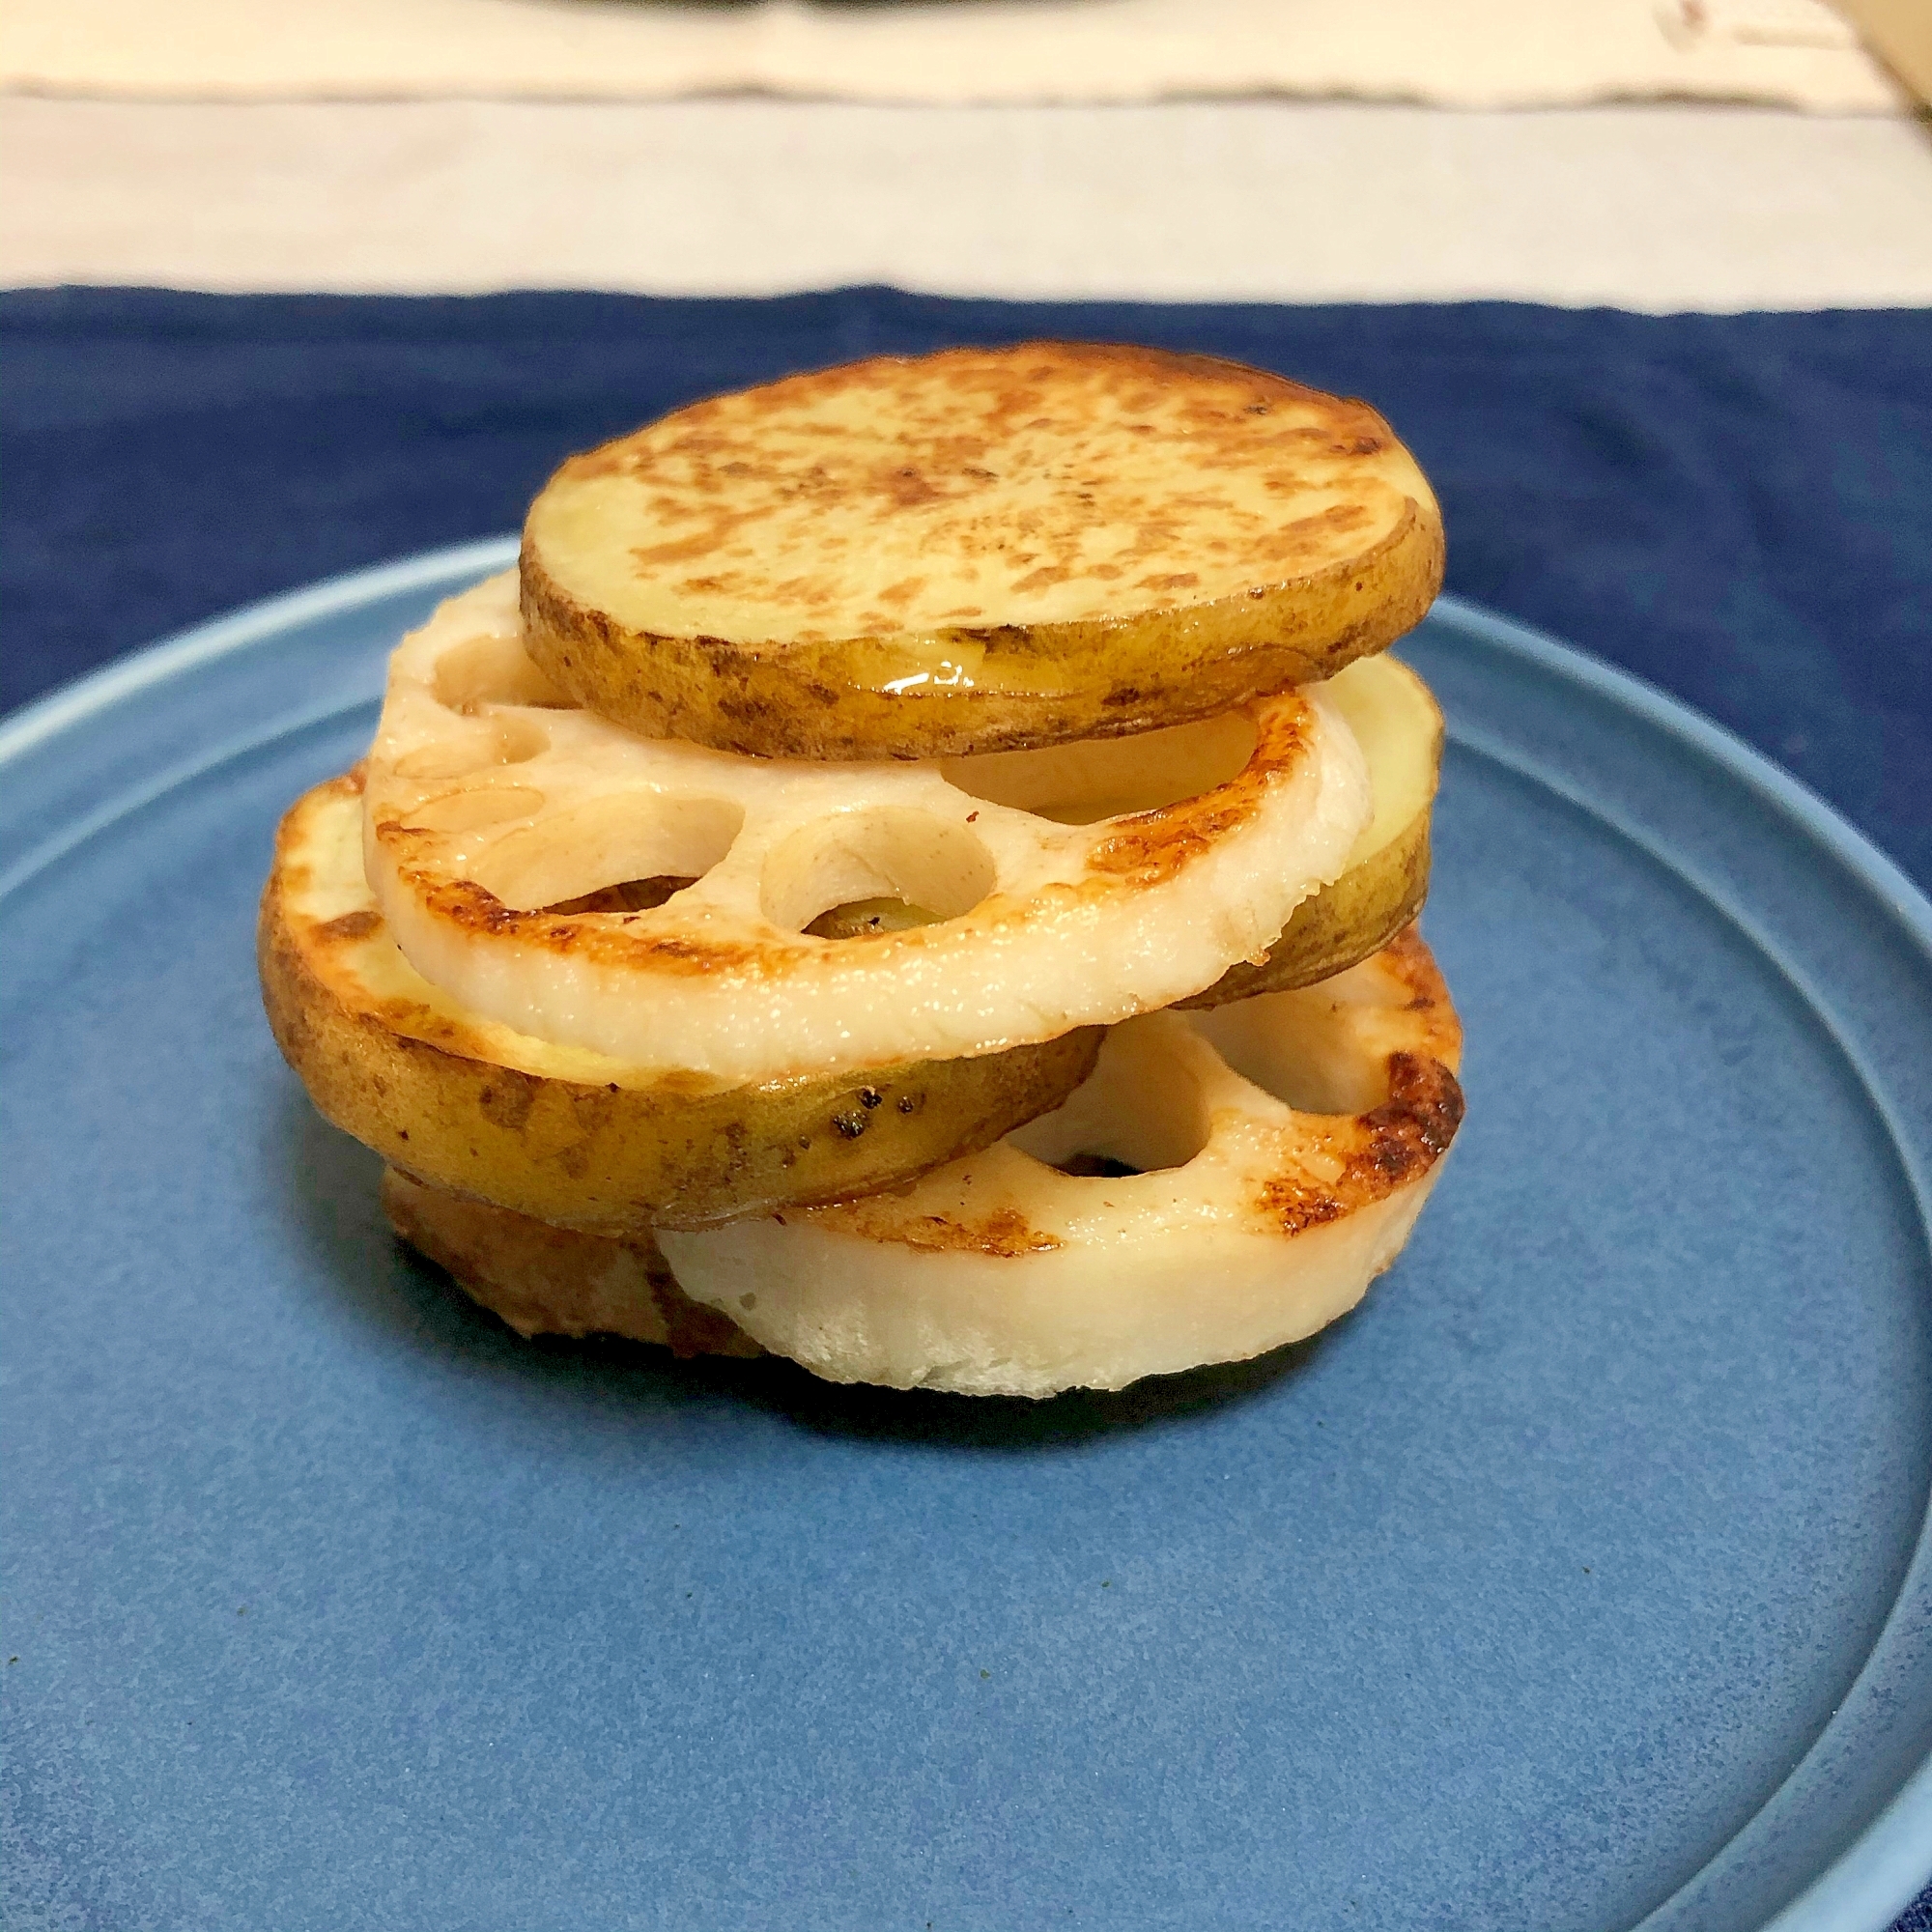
<point>1738,507</point>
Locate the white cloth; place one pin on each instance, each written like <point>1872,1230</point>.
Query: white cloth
<point>1461,53</point>
<point>1649,208</point>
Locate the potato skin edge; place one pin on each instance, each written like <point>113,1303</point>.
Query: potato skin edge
<point>1343,924</point>
<point>543,1280</point>
<point>619,1160</point>
<point>1126,675</point>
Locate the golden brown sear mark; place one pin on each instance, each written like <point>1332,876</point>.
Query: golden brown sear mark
<point>1149,847</point>
<point>349,926</point>
<point>1379,1151</point>
<point>1005,1234</point>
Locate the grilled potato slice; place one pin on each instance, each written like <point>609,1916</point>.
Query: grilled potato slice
<point>567,1135</point>
<point>976,551</point>
<point>556,1281</point>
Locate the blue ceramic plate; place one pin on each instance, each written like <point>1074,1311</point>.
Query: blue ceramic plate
<point>1573,1583</point>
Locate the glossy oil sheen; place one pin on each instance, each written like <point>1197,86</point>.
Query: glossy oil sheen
<point>1575,1582</point>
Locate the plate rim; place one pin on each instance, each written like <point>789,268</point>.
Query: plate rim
<point>83,697</point>
<point>1882,1870</point>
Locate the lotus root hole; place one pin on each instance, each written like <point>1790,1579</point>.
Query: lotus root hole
<point>618,839</point>
<point>1107,778</point>
<point>474,808</point>
<point>1140,1111</point>
<point>486,743</point>
<point>1306,1047</point>
<point>868,862</point>
<point>1096,1167</point>
<point>629,895</point>
<point>493,670</point>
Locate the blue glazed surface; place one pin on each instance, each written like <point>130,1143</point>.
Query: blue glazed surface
<point>1572,1582</point>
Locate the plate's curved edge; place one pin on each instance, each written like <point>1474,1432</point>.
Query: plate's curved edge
<point>1885,1867</point>
<point>1678,719</point>
<point>125,804</point>
<point>1878,1876</point>
<point>1880,1872</point>
<point>1912,1596</point>
<point>32,725</point>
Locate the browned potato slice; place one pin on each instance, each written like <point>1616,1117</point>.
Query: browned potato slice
<point>976,551</point>
<point>555,1281</point>
<point>568,1135</point>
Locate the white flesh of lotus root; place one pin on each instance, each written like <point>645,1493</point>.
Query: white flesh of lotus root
<point>1287,1144</point>
<point>490,801</point>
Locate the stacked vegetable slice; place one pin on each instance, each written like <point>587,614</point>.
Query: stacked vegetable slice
<point>916,873</point>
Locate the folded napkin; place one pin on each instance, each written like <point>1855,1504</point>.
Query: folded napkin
<point>1477,53</point>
